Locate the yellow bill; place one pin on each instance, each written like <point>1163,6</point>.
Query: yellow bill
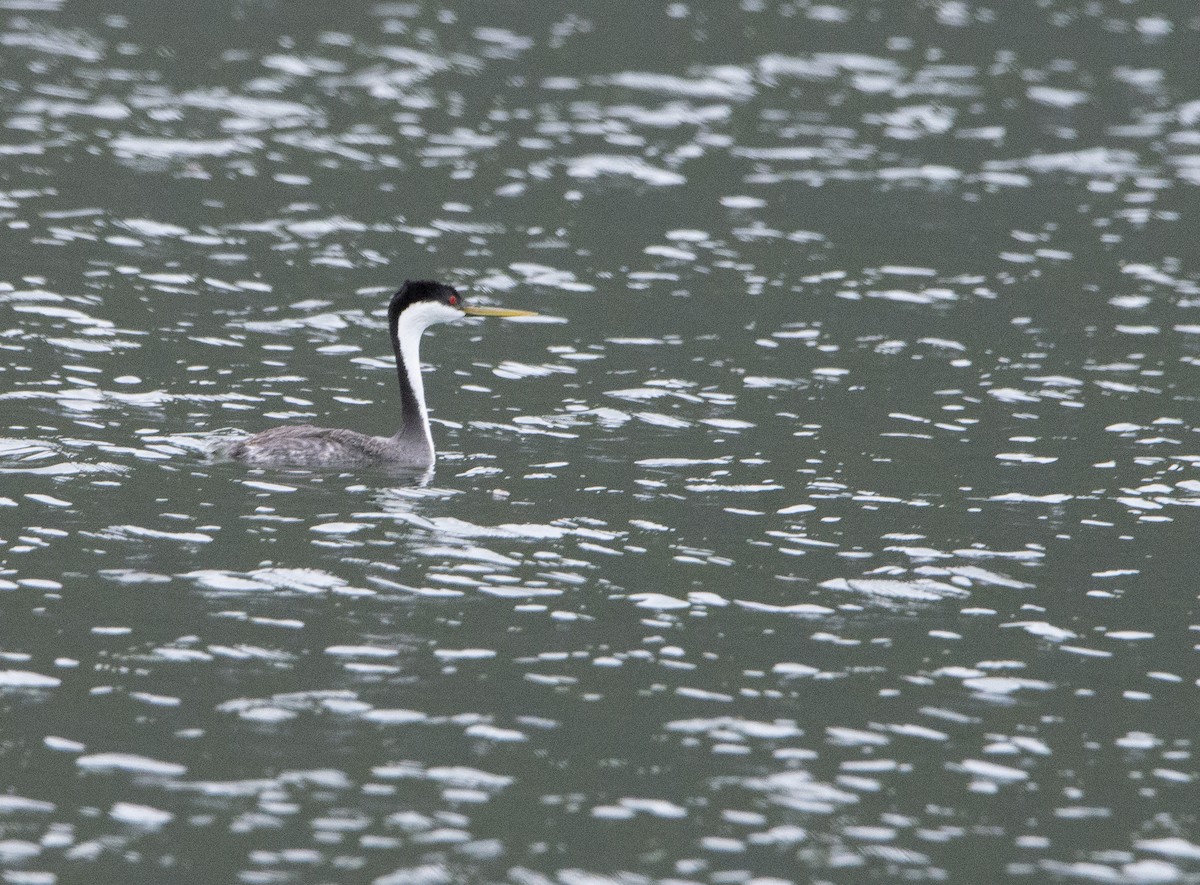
<point>472,311</point>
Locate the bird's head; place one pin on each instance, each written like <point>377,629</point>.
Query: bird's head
<point>421,303</point>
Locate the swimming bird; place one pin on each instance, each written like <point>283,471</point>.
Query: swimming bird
<point>417,306</point>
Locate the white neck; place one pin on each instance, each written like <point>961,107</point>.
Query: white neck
<point>410,325</point>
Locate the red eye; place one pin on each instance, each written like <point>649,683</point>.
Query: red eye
<point>453,299</point>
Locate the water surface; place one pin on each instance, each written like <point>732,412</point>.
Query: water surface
<point>834,524</point>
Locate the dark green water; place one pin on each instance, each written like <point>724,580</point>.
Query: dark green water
<point>834,525</point>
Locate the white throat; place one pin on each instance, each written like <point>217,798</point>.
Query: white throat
<point>410,325</point>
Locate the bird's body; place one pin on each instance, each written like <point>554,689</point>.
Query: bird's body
<point>418,305</point>
<point>307,446</point>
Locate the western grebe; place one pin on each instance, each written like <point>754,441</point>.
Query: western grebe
<point>417,306</point>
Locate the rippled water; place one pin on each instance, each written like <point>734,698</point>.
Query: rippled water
<point>835,524</point>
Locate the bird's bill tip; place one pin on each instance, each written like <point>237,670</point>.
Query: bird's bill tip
<point>473,311</point>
